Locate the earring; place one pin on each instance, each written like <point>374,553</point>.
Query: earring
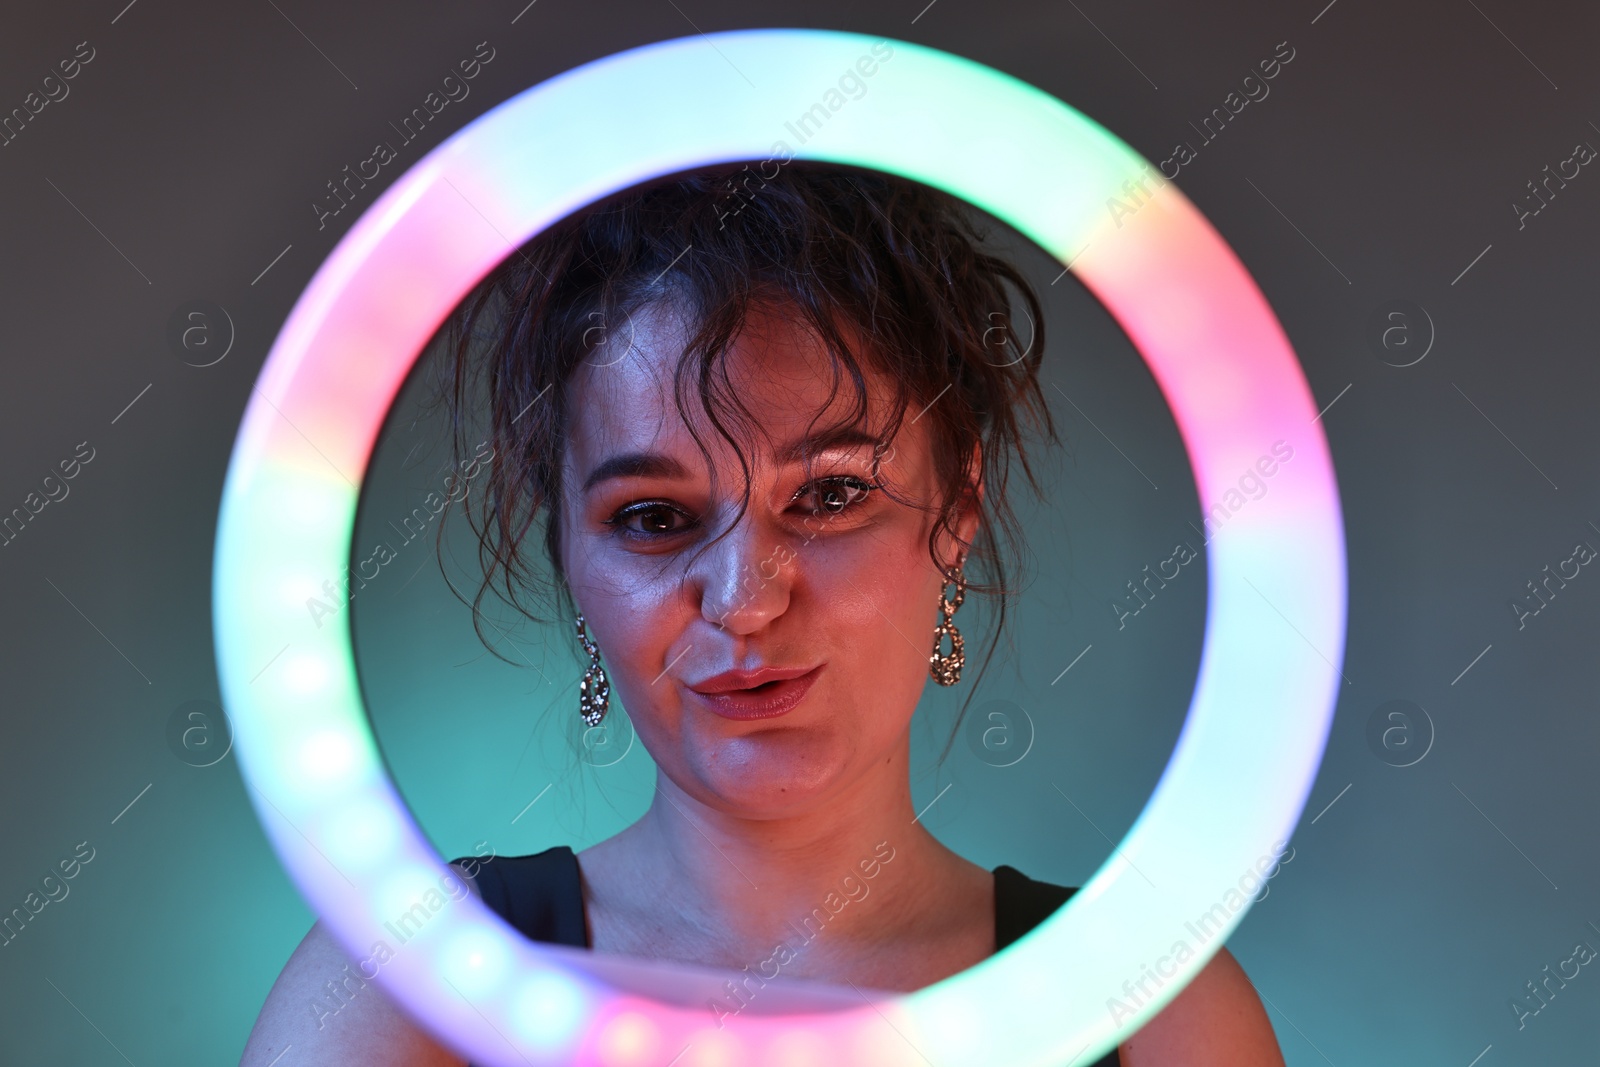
<point>946,670</point>
<point>594,692</point>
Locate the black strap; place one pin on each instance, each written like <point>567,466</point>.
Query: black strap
<point>1020,904</point>
<point>540,895</point>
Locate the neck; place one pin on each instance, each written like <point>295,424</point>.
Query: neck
<point>849,873</point>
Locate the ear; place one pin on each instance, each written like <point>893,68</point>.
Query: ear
<point>968,508</point>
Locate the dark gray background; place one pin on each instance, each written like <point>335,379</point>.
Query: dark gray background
<point>1383,166</point>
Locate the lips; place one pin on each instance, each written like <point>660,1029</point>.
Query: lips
<point>759,694</point>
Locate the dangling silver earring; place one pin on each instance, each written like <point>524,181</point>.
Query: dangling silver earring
<point>594,692</point>
<point>946,670</point>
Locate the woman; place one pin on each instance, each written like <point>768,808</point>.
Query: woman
<point>767,423</point>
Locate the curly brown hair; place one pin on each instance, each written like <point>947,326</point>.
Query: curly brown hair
<point>897,260</point>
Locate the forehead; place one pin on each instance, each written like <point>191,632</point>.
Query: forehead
<point>622,398</point>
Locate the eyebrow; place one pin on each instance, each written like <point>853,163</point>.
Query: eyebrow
<point>660,465</point>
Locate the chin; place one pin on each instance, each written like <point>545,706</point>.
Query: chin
<point>770,772</point>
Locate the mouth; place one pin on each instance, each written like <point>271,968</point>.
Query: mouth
<point>767,700</point>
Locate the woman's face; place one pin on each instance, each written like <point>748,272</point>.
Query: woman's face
<point>815,576</point>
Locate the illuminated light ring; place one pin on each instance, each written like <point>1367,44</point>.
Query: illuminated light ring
<point>1256,728</point>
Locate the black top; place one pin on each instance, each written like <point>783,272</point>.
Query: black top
<point>542,896</point>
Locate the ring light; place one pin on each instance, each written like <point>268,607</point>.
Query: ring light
<point>1263,701</point>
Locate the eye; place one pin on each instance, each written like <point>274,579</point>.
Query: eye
<point>655,520</point>
<point>833,495</point>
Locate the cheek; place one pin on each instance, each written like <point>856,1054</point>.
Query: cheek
<point>625,597</point>
<point>873,610</point>
<point>631,614</point>
<point>638,625</point>
<point>875,577</point>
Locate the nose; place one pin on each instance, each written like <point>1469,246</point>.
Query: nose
<point>743,577</point>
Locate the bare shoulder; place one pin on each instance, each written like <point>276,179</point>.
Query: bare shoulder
<point>1217,1020</point>
<point>327,1009</point>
